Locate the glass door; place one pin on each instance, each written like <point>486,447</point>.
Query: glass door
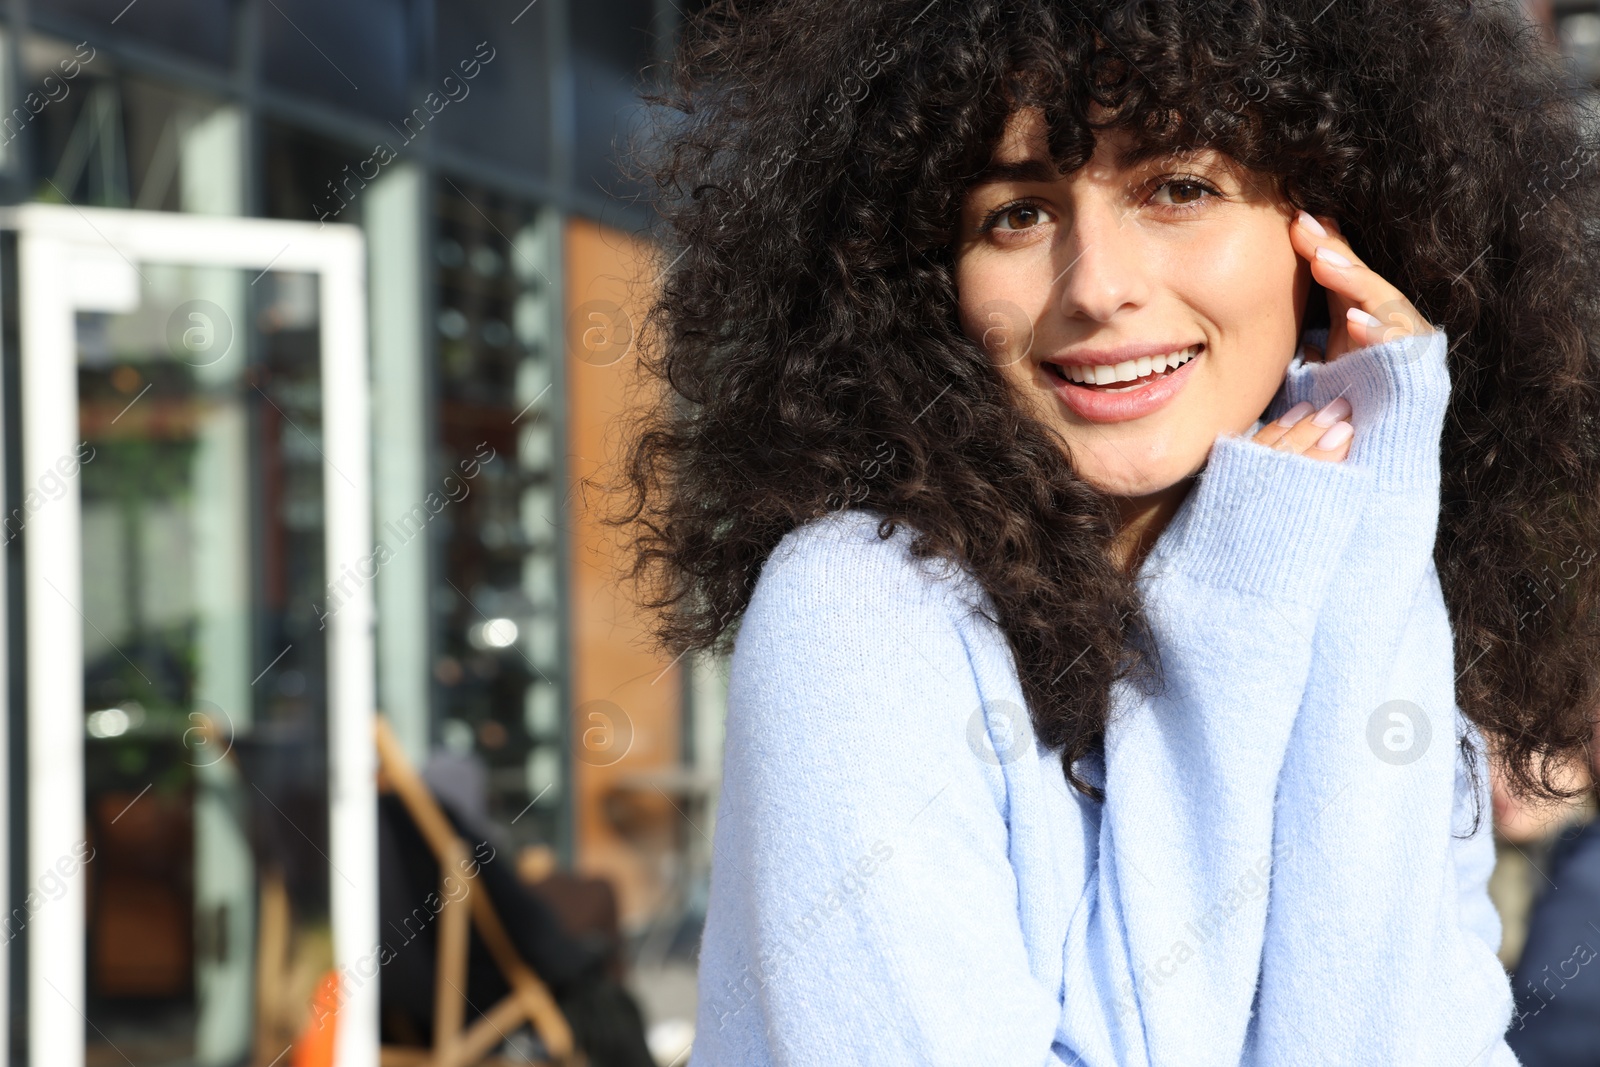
<point>197,649</point>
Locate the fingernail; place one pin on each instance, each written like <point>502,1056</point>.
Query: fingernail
<point>1312,224</point>
<point>1338,435</point>
<point>1329,256</point>
<point>1361,318</point>
<point>1295,414</point>
<point>1336,409</point>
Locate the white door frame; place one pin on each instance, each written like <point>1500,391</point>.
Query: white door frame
<point>58,250</point>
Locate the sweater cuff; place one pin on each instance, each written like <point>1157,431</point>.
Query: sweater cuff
<point>1263,521</point>
<point>1398,392</point>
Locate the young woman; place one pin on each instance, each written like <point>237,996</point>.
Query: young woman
<point>1149,452</point>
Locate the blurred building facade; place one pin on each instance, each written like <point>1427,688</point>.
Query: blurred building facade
<point>184,629</point>
<point>205,596</point>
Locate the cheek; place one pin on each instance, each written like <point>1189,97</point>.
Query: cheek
<point>1001,300</point>
<point>1249,283</point>
<point>1251,288</point>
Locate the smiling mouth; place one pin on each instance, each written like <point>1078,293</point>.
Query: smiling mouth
<point>1126,376</point>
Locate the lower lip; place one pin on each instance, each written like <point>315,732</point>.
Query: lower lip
<point>1097,406</point>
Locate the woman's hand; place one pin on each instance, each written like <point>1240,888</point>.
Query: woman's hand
<point>1363,309</point>
<point>1325,435</point>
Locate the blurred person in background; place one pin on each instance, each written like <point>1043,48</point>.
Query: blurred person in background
<point>1097,523</point>
<point>580,964</point>
<point>1557,976</point>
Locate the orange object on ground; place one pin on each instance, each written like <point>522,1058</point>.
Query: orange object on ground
<point>314,1046</point>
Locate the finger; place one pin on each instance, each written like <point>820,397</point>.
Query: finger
<point>1274,431</point>
<point>1351,286</point>
<point>1336,267</point>
<point>1334,444</point>
<point>1364,328</point>
<point>1310,353</point>
<point>1305,434</point>
<point>1304,226</point>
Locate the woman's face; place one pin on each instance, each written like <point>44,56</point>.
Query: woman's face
<point>1126,262</point>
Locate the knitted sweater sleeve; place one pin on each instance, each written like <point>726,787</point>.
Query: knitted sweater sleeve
<point>1164,964</point>
<point>863,905</point>
<point>1381,943</point>
<point>865,900</point>
<point>1301,698</point>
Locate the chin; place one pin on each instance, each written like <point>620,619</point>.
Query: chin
<point>1131,486</point>
<point>1118,478</point>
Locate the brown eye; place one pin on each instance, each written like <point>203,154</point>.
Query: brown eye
<point>1016,217</point>
<point>1181,192</point>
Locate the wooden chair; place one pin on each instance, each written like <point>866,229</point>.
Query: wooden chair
<point>277,1017</point>
<point>530,999</point>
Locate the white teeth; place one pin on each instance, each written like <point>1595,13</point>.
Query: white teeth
<point>1131,369</point>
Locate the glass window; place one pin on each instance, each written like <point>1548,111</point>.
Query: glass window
<point>507,115</point>
<point>500,664</point>
<point>200,29</point>
<point>613,44</point>
<point>102,138</point>
<point>353,54</point>
<point>313,178</point>
<point>205,665</point>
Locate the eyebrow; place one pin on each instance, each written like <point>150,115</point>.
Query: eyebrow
<point>1144,151</point>
<point>1032,169</point>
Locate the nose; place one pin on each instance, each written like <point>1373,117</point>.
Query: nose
<point>1101,270</point>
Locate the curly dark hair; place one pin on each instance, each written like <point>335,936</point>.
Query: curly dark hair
<point>810,175</point>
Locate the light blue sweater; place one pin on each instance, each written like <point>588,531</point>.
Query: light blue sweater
<point>902,875</point>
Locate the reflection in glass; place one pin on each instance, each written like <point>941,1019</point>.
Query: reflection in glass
<point>101,137</point>
<point>204,664</point>
<point>312,178</point>
<point>499,663</point>
<point>354,54</point>
<point>612,50</point>
<point>199,29</point>
<point>506,118</point>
